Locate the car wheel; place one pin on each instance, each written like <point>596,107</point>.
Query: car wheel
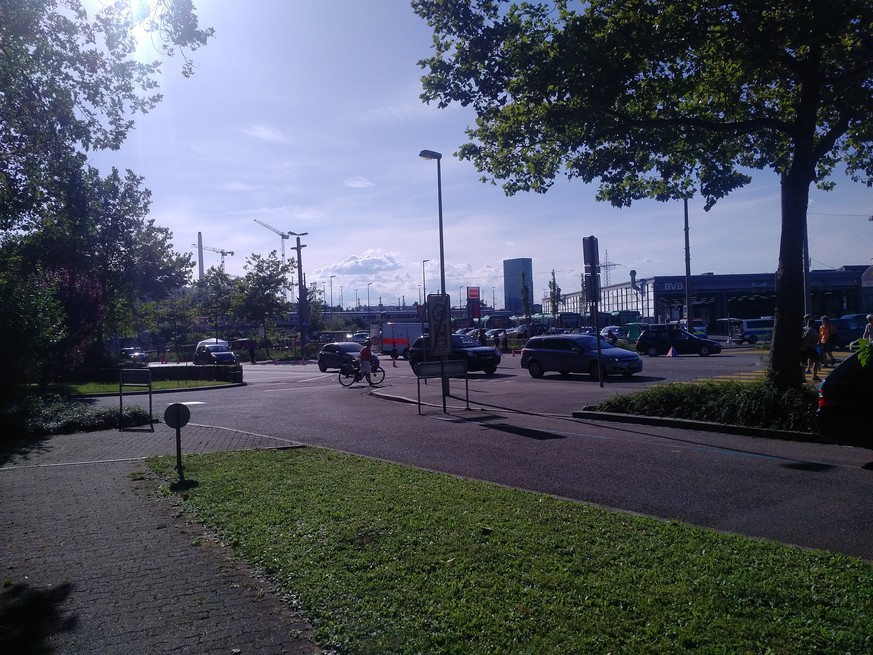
<point>594,371</point>
<point>652,351</point>
<point>490,370</point>
<point>752,340</point>
<point>535,369</point>
<point>626,375</point>
<point>322,366</point>
<point>704,351</point>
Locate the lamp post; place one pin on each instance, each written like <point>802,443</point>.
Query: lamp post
<point>302,302</point>
<point>341,298</point>
<point>423,283</point>
<point>431,154</point>
<point>460,297</point>
<point>331,290</point>
<point>368,297</point>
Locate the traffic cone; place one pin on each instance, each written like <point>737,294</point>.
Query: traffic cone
<point>671,352</point>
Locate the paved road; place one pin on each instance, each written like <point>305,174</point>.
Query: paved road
<point>807,494</point>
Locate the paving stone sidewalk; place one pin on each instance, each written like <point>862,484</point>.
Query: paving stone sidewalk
<point>93,560</point>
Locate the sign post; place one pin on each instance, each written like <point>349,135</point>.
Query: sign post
<point>439,316</point>
<point>591,258</point>
<point>177,416</point>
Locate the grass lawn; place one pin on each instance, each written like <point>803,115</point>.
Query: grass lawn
<point>389,559</point>
<point>92,388</point>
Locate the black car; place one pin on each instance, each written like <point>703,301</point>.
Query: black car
<point>577,353</point>
<point>334,355</point>
<point>478,358</point>
<point>654,342</point>
<point>133,356</point>
<point>214,353</point>
<point>843,413</point>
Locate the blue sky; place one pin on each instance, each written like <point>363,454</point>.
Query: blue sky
<point>306,116</point>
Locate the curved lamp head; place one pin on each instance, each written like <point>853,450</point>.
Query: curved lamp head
<point>430,154</point>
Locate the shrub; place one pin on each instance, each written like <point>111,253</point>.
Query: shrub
<point>750,404</point>
<point>36,416</point>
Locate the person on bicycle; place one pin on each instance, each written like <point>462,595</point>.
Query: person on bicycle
<point>366,356</point>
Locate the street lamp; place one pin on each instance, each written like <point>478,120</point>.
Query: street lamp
<point>302,303</point>
<point>368,297</point>
<point>423,283</point>
<point>460,297</point>
<point>331,291</point>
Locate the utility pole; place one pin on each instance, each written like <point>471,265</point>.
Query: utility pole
<point>302,300</point>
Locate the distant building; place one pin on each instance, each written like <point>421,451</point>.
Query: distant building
<point>512,274</point>
<point>845,290</point>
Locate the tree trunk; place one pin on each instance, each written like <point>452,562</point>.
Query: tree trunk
<point>785,371</point>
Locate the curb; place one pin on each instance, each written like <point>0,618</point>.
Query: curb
<point>703,426</point>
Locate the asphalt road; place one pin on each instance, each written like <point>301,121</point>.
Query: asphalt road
<point>519,432</point>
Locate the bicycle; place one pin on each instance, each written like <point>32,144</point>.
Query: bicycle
<point>350,372</point>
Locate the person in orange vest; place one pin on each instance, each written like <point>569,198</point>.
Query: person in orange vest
<point>826,337</point>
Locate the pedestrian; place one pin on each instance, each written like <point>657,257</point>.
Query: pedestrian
<point>482,338</point>
<point>252,350</point>
<point>827,334</point>
<point>497,340</point>
<point>505,342</point>
<point>808,349</point>
<point>868,329</point>
<point>366,356</point>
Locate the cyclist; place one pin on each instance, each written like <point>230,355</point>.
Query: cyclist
<point>366,357</point>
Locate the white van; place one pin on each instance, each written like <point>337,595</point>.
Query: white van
<point>750,330</point>
<point>698,327</point>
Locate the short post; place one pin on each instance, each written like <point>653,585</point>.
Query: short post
<point>177,416</point>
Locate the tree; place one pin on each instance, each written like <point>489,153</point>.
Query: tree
<point>664,99</point>
<point>262,293</point>
<point>554,295</point>
<point>70,86</point>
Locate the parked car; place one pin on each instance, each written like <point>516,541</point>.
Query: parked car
<point>478,358</point>
<point>577,353</point>
<point>616,330</point>
<point>214,353</point>
<point>133,356</point>
<point>334,355</point>
<point>843,413</point>
<point>359,337</point>
<point>654,342</point>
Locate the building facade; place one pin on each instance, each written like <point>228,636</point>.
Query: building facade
<point>835,292</point>
<point>513,270</point>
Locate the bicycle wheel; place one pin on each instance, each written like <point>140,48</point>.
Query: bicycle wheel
<point>346,378</point>
<point>377,375</point>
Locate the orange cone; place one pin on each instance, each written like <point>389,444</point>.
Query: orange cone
<point>671,352</point>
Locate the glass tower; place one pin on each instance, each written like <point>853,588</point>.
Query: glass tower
<point>512,274</point>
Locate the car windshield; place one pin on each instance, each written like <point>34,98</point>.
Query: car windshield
<point>463,341</point>
<point>351,347</point>
<point>218,349</point>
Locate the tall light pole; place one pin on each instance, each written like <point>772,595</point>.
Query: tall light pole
<point>302,302</point>
<point>341,298</point>
<point>493,301</point>
<point>331,290</point>
<point>423,283</point>
<point>431,154</point>
<point>368,297</point>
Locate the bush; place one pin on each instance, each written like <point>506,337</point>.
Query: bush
<point>750,404</point>
<point>36,416</point>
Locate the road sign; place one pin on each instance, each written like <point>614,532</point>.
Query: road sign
<point>440,319</point>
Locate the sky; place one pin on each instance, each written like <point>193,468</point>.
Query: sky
<point>306,116</point>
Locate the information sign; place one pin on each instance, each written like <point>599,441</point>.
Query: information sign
<point>440,319</point>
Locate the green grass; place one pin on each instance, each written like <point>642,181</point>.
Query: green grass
<point>93,388</point>
<point>389,559</point>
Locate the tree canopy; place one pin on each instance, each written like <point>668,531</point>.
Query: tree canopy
<point>665,99</point>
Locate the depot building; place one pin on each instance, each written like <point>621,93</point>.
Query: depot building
<point>659,299</point>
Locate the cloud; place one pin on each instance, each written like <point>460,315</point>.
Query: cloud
<point>357,183</point>
<point>264,133</point>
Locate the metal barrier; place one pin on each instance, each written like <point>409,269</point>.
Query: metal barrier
<point>134,377</point>
<point>450,369</point>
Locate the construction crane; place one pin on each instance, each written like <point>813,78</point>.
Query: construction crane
<point>218,250</point>
<point>284,235</point>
